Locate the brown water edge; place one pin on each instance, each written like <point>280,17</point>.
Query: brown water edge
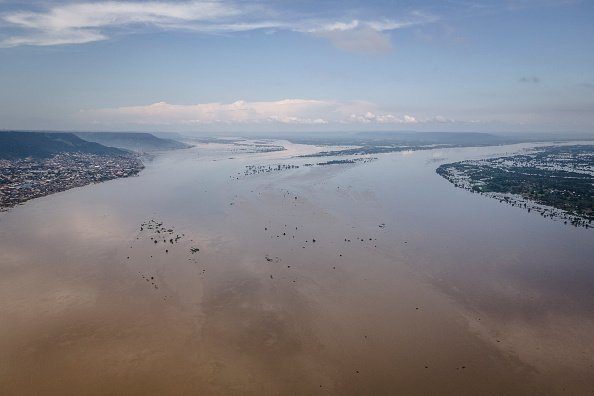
<point>253,312</point>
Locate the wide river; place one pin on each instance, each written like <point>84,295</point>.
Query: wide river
<point>381,277</point>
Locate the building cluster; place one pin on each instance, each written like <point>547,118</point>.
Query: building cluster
<point>28,178</point>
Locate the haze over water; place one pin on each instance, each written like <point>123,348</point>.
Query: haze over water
<point>368,278</point>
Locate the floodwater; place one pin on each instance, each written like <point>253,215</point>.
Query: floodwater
<point>368,278</point>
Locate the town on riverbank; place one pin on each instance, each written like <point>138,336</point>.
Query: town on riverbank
<point>28,178</point>
<point>36,164</point>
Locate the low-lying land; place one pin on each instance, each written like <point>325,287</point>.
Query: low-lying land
<point>243,145</point>
<point>560,177</point>
<point>364,143</point>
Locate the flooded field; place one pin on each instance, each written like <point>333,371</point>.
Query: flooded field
<point>203,276</point>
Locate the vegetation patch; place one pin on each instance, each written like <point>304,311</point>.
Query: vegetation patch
<point>559,177</point>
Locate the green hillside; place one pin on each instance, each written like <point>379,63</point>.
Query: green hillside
<point>135,141</point>
<point>14,145</point>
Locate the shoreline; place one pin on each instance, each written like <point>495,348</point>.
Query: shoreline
<point>29,178</point>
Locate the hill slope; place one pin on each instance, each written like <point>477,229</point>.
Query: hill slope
<point>131,141</point>
<point>14,145</point>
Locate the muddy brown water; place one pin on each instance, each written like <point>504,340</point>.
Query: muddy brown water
<point>411,286</point>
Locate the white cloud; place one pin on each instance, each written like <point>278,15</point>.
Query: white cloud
<point>78,23</point>
<point>332,27</point>
<point>65,36</point>
<point>367,36</point>
<point>112,13</point>
<point>289,111</point>
<point>85,22</point>
<point>385,118</point>
<point>415,18</point>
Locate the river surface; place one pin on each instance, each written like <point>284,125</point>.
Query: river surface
<point>366,278</point>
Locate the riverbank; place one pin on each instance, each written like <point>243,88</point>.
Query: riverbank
<point>24,179</point>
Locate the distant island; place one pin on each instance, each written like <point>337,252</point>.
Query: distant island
<point>244,145</point>
<point>557,181</point>
<point>387,142</point>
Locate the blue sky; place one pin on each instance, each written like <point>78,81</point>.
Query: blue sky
<point>277,65</point>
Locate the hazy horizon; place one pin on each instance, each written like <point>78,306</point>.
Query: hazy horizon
<point>545,135</point>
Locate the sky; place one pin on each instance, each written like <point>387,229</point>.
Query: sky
<point>280,65</point>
